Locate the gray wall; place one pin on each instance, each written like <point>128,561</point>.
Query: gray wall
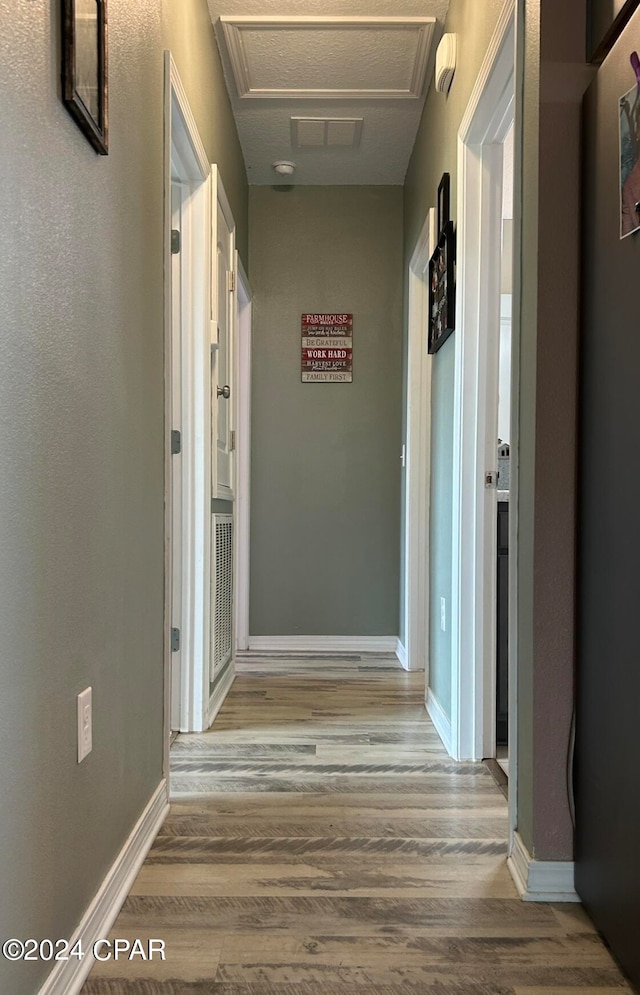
<point>326,457</point>
<point>552,64</point>
<point>81,492</point>
<point>435,152</point>
<point>188,32</point>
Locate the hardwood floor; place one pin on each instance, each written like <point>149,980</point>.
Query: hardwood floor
<point>320,842</point>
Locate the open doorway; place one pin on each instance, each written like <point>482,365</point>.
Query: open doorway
<point>504,459</point>
<point>223,387</point>
<point>201,404</point>
<point>483,319</point>
<point>187,308</point>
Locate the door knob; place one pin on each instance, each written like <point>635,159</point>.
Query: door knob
<point>224,392</point>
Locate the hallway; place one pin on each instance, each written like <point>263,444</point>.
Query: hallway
<point>321,841</point>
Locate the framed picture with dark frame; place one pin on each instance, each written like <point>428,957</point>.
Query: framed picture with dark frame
<point>444,202</point>
<point>442,289</point>
<point>606,19</point>
<point>84,68</point>
<point>629,112</point>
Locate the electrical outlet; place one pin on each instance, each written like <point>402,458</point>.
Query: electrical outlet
<point>443,614</point>
<point>85,722</point>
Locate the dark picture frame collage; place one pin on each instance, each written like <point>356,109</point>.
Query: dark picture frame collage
<point>442,274</point>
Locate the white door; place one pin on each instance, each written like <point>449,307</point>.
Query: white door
<point>223,355</point>
<point>176,458</point>
<point>223,406</point>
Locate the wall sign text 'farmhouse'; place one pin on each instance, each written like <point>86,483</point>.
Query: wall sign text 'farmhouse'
<point>327,348</point>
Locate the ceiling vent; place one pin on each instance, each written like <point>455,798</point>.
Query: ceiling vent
<point>446,56</point>
<point>326,132</point>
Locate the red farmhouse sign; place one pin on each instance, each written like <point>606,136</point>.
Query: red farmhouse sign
<point>327,348</point>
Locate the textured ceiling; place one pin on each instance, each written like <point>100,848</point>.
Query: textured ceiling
<point>376,60</point>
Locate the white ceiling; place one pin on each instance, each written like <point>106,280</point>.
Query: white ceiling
<point>382,71</point>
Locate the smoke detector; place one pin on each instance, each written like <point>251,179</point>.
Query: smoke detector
<point>446,56</point>
<point>284,168</point>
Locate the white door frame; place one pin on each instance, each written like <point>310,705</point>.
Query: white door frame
<point>414,655</point>
<point>182,139</point>
<point>485,124</point>
<point>179,315</point>
<point>243,454</point>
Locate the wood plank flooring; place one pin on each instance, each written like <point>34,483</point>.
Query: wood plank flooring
<point>320,842</point>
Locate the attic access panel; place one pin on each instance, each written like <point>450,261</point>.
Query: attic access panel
<point>294,57</point>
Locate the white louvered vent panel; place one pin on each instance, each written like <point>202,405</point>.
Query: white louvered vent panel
<point>222,594</point>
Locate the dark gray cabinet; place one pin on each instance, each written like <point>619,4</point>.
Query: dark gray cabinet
<point>607,754</point>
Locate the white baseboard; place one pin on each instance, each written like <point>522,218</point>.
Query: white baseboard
<point>401,653</point>
<point>403,656</point>
<point>323,644</point>
<point>440,719</point>
<point>221,691</point>
<point>68,977</point>
<point>541,880</point>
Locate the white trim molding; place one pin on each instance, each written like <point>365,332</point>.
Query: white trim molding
<point>486,122</point>
<point>68,977</point>
<point>541,880</point>
<point>243,456</point>
<point>440,719</point>
<point>233,29</point>
<point>323,644</point>
<point>221,690</point>
<point>514,489</point>
<point>401,653</point>
<point>504,31</point>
